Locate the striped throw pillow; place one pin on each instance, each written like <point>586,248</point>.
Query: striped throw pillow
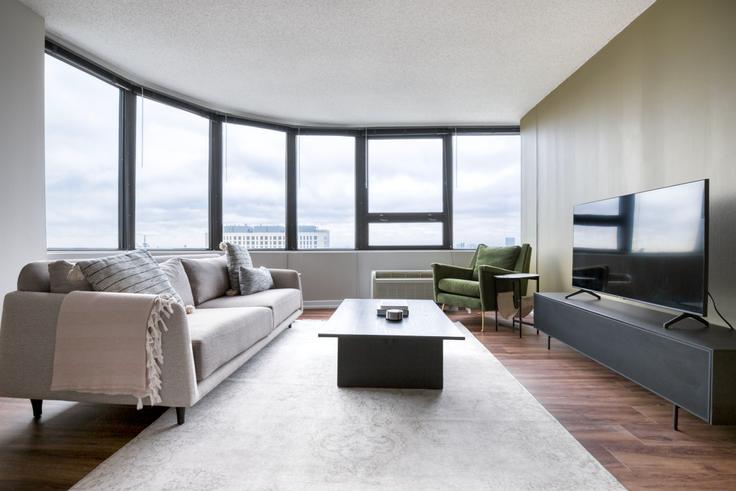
<point>132,272</point>
<point>237,257</point>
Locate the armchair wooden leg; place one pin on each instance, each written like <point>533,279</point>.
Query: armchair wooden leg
<point>496,317</point>
<point>442,308</point>
<point>482,320</point>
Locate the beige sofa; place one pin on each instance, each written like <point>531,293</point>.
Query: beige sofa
<point>200,349</point>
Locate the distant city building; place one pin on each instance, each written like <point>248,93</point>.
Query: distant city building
<point>274,236</point>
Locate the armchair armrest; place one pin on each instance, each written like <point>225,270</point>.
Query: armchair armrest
<point>442,271</point>
<point>489,287</point>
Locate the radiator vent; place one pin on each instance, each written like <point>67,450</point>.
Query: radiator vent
<point>405,284</point>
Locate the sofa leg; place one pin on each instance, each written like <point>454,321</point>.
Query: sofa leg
<point>180,415</point>
<point>37,405</point>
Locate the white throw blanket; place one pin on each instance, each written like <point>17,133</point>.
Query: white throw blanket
<point>110,343</point>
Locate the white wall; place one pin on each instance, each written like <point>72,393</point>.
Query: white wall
<point>22,206</point>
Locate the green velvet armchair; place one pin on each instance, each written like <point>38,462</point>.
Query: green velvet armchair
<point>475,287</point>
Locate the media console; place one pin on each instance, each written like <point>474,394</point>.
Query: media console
<point>691,366</point>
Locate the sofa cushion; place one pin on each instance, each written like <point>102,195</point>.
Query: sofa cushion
<point>457,286</point>
<point>219,335</point>
<point>207,277</point>
<point>282,301</point>
<point>59,281</point>
<point>178,278</point>
<point>501,257</point>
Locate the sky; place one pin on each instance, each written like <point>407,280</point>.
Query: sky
<point>172,176</point>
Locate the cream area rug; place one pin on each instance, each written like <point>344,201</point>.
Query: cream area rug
<point>281,422</point>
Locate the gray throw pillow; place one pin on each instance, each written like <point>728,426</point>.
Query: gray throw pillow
<point>132,272</point>
<point>237,257</point>
<point>174,270</point>
<point>208,277</point>
<point>254,280</point>
<point>59,281</point>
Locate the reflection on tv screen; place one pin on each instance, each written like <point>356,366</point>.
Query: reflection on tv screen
<point>648,246</point>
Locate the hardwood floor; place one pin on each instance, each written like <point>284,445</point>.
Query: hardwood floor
<point>624,426</point>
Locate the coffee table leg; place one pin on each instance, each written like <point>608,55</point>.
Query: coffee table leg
<point>411,363</point>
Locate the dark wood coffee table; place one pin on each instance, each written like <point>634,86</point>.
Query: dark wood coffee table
<point>374,352</point>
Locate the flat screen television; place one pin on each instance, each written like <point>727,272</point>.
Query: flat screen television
<point>650,246</point>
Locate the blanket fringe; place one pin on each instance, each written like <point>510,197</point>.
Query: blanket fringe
<point>162,307</point>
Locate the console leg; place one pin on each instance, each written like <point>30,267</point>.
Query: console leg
<point>37,405</point>
<point>675,416</point>
<point>180,415</point>
<point>549,340</point>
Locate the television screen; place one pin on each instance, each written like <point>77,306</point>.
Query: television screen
<point>650,246</point>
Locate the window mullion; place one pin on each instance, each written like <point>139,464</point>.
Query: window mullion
<point>127,159</point>
<point>215,187</point>
<point>292,229</point>
<point>447,180</point>
<point>361,192</point>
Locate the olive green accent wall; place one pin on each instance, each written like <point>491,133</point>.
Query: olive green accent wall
<point>656,106</point>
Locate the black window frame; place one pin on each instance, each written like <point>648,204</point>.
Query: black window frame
<point>444,216</point>
<point>129,91</point>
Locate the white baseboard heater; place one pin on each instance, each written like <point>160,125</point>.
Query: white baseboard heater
<point>404,284</point>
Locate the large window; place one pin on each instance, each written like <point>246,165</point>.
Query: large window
<point>254,186</point>
<point>326,192</point>
<point>405,234</point>
<point>172,170</point>
<point>405,192</point>
<point>125,171</point>
<point>405,175</point>
<point>81,159</point>
<point>487,191</point>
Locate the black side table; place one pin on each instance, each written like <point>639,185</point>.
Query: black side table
<point>516,279</point>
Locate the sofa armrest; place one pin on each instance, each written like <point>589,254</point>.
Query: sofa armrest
<point>28,342</point>
<point>441,271</point>
<point>286,278</point>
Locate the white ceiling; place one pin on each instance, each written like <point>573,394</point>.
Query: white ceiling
<point>346,62</point>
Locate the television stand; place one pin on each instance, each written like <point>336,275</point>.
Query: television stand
<point>693,369</point>
<point>683,316</point>
<point>583,290</point>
